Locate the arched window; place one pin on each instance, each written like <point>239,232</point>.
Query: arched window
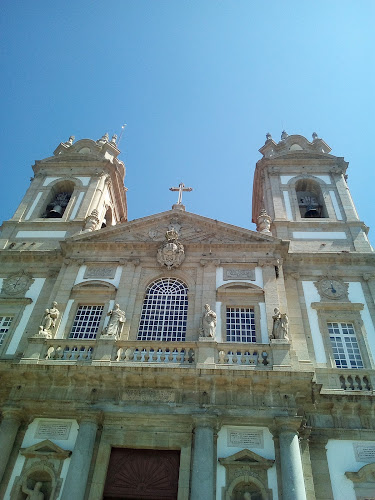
<point>58,200</point>
<point>310,199</point>
<point>164,312</point>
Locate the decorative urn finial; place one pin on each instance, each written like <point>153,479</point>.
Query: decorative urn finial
<point>268,136</point>
<point>314,136</point>
<point>284,135</point>
<point>264,222</point>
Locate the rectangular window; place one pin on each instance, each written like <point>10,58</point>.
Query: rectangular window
<point>5,322</point>
<point>344,345</point>
<point>241,324</point>
<point>86,322</point>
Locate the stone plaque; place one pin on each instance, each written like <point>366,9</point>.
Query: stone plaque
<point>98,272</point>
<point>53,430</point>
<point>239,274</point>
<point>364,452</point>
<point>248,439</point>
<point>149,395</point>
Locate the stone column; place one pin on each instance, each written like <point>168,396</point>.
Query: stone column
<point>319,463</point>
<point>293,484</point>
<point>10,424</point>
<point>203,469</point>
<point>76,478</point>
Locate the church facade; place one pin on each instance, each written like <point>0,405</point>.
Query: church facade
<point>180,357</point>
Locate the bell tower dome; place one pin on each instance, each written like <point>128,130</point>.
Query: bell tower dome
<point>303,189</point>
<point>78,189</point>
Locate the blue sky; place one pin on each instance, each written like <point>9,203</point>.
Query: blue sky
<point>199,83</point>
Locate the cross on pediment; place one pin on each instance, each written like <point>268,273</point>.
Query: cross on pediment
<point>181,187</point>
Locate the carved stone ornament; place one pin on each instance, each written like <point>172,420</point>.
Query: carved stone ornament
<point>171,253</point>
<point>17,283</point>
<point>264,222</point>
<point>332,288</point>
<point>51,315</point>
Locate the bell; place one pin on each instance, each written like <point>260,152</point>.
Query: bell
<point>312,213</point>
<point>56,212</point>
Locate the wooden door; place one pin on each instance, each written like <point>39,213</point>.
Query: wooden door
<point>135,474</point>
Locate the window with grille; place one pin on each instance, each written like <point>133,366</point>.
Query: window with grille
<point>241,324</point>
<point>344,345</point>
<point>86,322</point>
<point>164,312</point>
<point>5,322</point>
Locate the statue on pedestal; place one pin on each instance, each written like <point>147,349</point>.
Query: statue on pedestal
<point>116,322</point>
<point>280,328</point>
<point>49,321</point>
<point>208,324</point>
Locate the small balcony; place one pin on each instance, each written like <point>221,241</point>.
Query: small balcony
<point>345,381</point>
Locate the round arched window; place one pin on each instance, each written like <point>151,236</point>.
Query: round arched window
<point>164,312</point>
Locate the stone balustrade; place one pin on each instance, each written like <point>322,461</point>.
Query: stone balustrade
<point>69,350</point>
<point>334,380</point>
<point>259,355</point>
<point>182,353</point>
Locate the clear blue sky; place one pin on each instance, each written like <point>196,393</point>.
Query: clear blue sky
<point>199,84</point>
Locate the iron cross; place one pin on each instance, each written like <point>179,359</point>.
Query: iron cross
<point>181,187</point>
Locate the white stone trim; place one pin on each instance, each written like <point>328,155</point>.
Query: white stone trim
<point>335,205</point>
<point>48,180</point>
<point>84,180</point>
<point>263,323</point>
<point>311,295</point>
<point>31,209</point>
<point>288,207</point>
<point>114,281</point>
<point>320,235</point>
<point>76,205</point>
<point>32,293</point>
<point>220,278</point>
<point>41,234</point>
<point>219,333</point>
<point>64,320</point>
<point>284,179</point>
<point>356,295</point>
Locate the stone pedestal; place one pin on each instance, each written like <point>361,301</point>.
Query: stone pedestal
<point>205,356</point>
<point>76,478</point>
<point>104,348</point>
<point>34,350</point>
<point>10,424</point>
<point>293,484</point>
<point>203,476</point>
<point>280,353</point>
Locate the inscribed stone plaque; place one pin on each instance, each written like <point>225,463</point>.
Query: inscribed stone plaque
<point>364,452</point>
<point>149,395</point>
<point>97,272</point>
<point>239,274</point>
<point>53,430</point>
<point>250,439</point>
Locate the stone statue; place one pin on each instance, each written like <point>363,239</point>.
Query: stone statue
<point>247,496</point>
<point>116,322</point>
<point>209,321</point>
<point>268,136</point>
<point>114,139</point>
<point>264,222</point>
<point>284,135</point>
<point>49,321</point>
<point>280,328</point>
<point>35,493</point>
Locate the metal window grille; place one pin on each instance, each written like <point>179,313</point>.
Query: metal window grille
<point>5,322</point>
<point>241,324</point>
<point>344,345</point>
<point>164,312</point>
<point>86,322</point>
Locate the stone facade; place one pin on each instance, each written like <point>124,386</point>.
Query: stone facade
<point>114,387</point>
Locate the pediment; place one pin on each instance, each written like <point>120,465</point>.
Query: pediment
<point>246,457</point>
<point>45,449</point>
<point>191,228</point>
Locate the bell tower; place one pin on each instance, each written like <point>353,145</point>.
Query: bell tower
<point>303,189</point>
<point>78,189</point>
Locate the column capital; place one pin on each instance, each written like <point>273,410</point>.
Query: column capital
<point>14,413</point>
<point>210,421</point>
<point>91,418</point>
<point>287,424</point>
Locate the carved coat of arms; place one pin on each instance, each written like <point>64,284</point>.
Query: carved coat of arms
<point>171,253</point>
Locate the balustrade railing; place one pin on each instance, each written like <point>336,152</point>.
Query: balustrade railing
<point>355,382</point>
<point>259,355</point>
<point>69,350</point>
<point>182,353</point>
<point>337,379</point>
